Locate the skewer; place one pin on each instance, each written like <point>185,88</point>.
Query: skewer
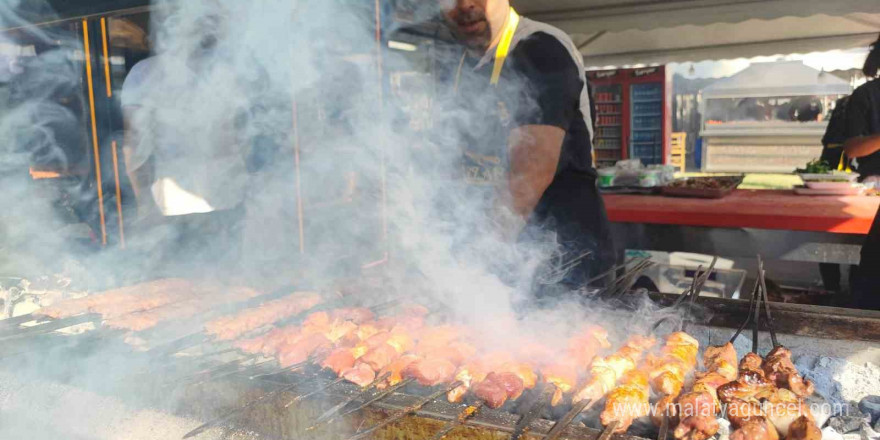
<point>210,371</point>
<point>745,323</point>
<point>379,396</point>
<point>15,321</point>
<point>756,324</point>
<point>50,327</point>
<point>524,425</point>
<point>762,277</point>
<point>609,430</point>
<point>324,387</point>
<point>405,412</point>
<point>230,373</point>
<point>365,391</point>
<point>568,418</point>
<point>232,413</point>
<point>462,417</point>
<point>664,428</point>
<point>293,367</point>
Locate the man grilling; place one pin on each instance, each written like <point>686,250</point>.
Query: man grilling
<point>526,130</point>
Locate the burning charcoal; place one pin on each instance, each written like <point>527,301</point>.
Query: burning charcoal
<point>871,406</point>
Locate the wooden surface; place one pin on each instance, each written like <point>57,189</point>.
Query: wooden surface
<point>762,209</point>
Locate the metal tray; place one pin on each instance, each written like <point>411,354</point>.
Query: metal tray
<point>714,193</point>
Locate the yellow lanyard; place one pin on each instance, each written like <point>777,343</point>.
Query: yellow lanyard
<point>501,51</point>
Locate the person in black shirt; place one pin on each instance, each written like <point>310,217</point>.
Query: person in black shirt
<point>526,128</point>
<point>863,132</point>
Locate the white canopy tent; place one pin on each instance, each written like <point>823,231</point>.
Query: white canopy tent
<point>620,33</point>
<point>788,78</point>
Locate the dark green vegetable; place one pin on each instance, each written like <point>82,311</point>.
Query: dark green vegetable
<point>816,166</point>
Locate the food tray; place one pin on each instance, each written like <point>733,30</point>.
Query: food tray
<point>697,193</point>
<point>830,177</point>
<point>704,193</point>
<point>830,186</point>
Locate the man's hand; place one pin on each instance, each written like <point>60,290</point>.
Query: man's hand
<point>534,157</point>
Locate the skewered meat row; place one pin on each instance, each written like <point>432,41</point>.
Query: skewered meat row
<point>780,407</point>
<point>605,372</point>
<point>139,297</point>
<point>140,321</point>
<point>228,328</point>
<point>631,398</point>
<point>582,349</point>
<point>696,409</point>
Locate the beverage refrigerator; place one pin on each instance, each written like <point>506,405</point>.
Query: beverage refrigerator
<point>632,115</point>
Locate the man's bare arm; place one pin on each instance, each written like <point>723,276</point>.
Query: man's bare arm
<point>862,146</point>
<point>534,157</point>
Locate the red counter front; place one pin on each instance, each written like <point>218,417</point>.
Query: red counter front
<point>760,209</point>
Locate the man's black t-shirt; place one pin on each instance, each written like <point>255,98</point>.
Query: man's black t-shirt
<point>863,119</point>
<point>542,83</point>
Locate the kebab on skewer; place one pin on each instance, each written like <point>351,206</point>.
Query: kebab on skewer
<point>694,413</point>
<point>604,375</point>
<point>630,399</point>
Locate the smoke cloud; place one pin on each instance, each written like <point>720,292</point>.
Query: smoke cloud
<point>277,108</point>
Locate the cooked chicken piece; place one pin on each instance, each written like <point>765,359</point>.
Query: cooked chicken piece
<point>665,406</point>
<point>668,378</point>
<point>361,374</point>
<point>779,369</point>
<point>721,359</point>
<point>696,428</point>
<point>339,360</point>
<point>431,371</point>
<point>709,383</point>
<point>696,404</point>
<point>396,370</point>
<point>380,357</point>
<point>401,341</point>
<point>756,429</point>
<point>751,362</point>
<point>803,429</point>
<point>739,412</point>
<point>783,407</point>
<point>605,372</point>
<point>748,386</point>
<point>683,347</point>
<point>628,401</point>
